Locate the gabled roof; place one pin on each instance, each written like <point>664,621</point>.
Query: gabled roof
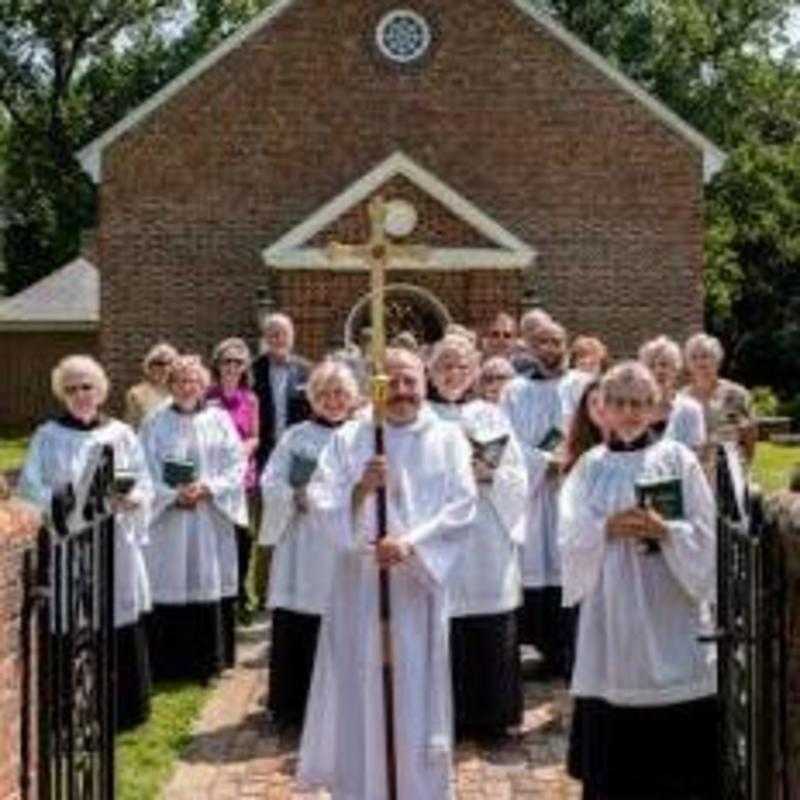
<point>66,300</point>
<point>506,250</point>
<point>91,156</point>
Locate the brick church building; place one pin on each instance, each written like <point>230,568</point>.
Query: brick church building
<point>532,171</point>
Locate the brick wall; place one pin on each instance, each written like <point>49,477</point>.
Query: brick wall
<point>26,360</point>
<point>18,527</point>
<point>508,117</point>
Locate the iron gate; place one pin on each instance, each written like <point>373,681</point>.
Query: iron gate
<point>76,640</point>
<point>751,644</point>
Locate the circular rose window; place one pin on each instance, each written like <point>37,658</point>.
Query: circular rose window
<point>403,36</point>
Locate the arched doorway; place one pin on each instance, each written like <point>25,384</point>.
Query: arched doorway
<point>408,308</point>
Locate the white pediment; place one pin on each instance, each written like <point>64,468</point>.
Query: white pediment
<point>505,250</point>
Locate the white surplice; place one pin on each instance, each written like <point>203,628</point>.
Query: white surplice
<point>686,423</point>
<point>192,556</point>
<point>534,408</point>
<point>302,562</point>
<point>640,613</point>
<point>58,455</point>
<point>431,498</point>
<point>487,578</point>
<point>571,388</point>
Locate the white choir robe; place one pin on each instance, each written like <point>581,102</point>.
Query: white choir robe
<point>192,556</point>
<point>302,562</point>
<point>431,499</point>
<point>58,455</point>
<point>686,423</point>
<point>571,388</point>
<point>534,407</point>
<point>640,614</point>
<point>486,579</point>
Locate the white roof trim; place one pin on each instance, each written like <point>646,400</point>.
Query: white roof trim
<point>290,252</point>
<point>713,158</point>
<point>91,156</point>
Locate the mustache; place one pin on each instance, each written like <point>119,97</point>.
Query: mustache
<point>404,398</point>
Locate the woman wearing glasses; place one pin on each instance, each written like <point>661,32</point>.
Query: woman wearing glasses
<point>151,392</point>
<point>645,721</point>
<point>57,458</point>
<point>230,390</point>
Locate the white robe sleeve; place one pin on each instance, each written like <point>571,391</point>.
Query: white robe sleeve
<point>508,492</point>
<point>225,478</point>
<point>690,548</point>
<point>32,484</point>
<point>277,495</point>
<point>142,493</point>
<point>536,461</point>
<point>436,541</point>
<point>687,425</point>
<point>581,536</point>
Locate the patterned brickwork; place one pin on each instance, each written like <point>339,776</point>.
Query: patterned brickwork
<point>510,118</point>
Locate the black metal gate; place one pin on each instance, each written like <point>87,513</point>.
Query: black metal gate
<point>751,645</point>
<point>76,641</point>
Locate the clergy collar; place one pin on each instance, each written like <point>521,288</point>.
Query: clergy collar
<point>539,372</point>
<point>67,420</point>
<point>326,423</point>
<point>434,396</point>
<point>182,411</point>
<point>616,445</point>
<point>657,428</point>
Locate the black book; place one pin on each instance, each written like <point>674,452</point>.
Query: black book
<point>179,472</point>
<point>663,495</point>
<point>301,468</point>
<point>552,439</point>
<point>490,451</point>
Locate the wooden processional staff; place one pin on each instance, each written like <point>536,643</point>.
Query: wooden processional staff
<point>380,253</point>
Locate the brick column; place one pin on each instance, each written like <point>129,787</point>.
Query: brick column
<point>18,528</point>
<point>786,505</point>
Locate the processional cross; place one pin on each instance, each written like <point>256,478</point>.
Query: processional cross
<point>379,253</point>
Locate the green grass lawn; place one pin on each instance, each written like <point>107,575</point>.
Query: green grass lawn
<point>12,449</point>
<point>774,464</point>
<point>147,754</point>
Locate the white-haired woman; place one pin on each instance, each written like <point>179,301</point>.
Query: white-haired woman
<point>485,588</point>
<point>645,721</point>
<point>727,406</point>
<point>678,417</point>
<point>152,392</point>
<point>197,465</point>
<point>58,456</point>
<point>231,390</point>
<point>303,558</point>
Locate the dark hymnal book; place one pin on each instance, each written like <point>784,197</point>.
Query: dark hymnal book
<point>179,473</point>
<point>490,451</point>
<point>552,439</point>
<point>301,468</point>
<point>663,495</point>
<point>124,481</point>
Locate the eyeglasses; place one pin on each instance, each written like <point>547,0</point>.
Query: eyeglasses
<point>158,362</point>
<point>228,361</point>
<point>496,378</point>
<point>633,403</point>
<point>501,334</point>
<point>78,387</point>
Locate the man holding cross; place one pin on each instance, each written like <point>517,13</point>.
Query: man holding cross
<point>431,497</point>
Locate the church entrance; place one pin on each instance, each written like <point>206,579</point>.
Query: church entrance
<point>408,308</point>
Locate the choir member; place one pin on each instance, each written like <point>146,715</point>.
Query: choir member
<point>302,562</point>
<point>588,354</point>
<point>675,416</point>
<point>644,723</point>
<point>151,392</point>
<point>431,499</point>
<point>588,426</point>
<point>500,336</point>
<point>535,408</point>
<point>230,390</point>
<point>197,465</point>
<point>485,587</point>
<point>58,456</point>
<point>523,357</point>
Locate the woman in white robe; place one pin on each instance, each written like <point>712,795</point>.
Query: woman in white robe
<point>645,720</point>
<point>59,454</point>
<point>303,556</point>
<point>197,466</point>
<point>485,588</point>
<point>675,416</point>
<point>430,501</point>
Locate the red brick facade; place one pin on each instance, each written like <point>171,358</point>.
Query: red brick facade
<point>501,111</point>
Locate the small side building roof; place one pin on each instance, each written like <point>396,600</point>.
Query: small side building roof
<point>66,300</point>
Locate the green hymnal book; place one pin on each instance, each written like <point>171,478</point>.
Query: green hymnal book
<point>552,439</point>
<point>663,495</point>
<point>301,468</point>
<point>179,473</point>
<point>490,451</point>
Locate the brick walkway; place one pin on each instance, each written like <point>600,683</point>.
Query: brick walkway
<point>229,758</point>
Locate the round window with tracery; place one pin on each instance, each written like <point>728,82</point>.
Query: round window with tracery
<point>403,36</point>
